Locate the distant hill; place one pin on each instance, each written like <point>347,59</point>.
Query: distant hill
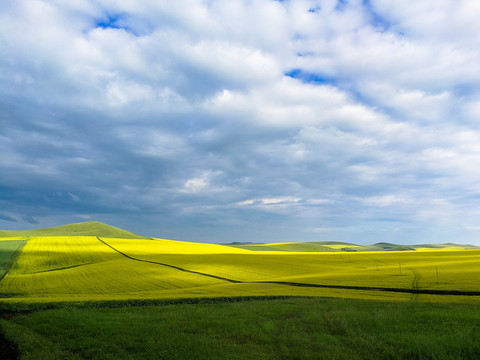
<point>89,228</point>
<point>295,247</point>
<point>444,246</point>
<point>384,246</point>
<point>95,228</point>
<point>333,246</point>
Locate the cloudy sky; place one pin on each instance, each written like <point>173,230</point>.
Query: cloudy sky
<point>243,120</point>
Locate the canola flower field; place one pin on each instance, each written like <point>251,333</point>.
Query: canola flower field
<point>97,268</point>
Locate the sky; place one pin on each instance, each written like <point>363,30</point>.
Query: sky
<point>243,120</point>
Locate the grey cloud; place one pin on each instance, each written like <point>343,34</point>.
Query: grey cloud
<point>163,118</point>
<point>7,218</point>
<point>30,220</point>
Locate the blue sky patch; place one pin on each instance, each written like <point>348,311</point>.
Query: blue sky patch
<point>310,78</point>
<point>111,21</point>
<point>341,4</point>
<point>114,21</point>
<point>377,21</point>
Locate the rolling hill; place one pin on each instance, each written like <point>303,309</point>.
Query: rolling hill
<point>95,228</point>
<point>95,262</point>
<point>89,228</point>
<point>333,246</point>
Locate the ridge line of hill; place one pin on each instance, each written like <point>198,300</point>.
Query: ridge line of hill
<point>88,228</point>
<point>95,228</point>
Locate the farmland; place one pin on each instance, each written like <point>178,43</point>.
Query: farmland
<point>96,268</point>
<point>102,273</point>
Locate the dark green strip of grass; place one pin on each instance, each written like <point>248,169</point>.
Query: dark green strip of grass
<point>294,328</point>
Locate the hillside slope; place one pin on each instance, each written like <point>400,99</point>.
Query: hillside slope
<point>113,264</point>
<point>332,246</point>
<point>89,228</point>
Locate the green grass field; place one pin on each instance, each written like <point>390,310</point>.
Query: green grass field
<point>73,292</point>
<point>299,328</point>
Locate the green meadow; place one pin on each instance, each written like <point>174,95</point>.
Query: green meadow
<point>92,291</point>
<point>292,328</point>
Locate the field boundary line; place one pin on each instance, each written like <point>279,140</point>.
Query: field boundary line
<point>286,283</point>
<point>373,288</point>
<point>168,265</point>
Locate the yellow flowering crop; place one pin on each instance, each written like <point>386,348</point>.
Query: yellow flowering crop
<point>60,268</point>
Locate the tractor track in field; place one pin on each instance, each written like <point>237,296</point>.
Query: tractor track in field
<point>62,268</point>
<point>416,278</point>
<point>414,290</point>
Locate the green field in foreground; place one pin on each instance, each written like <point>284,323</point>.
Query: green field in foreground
<point>299,328</point>
<point>54,268</point>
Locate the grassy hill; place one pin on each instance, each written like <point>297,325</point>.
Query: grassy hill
<point>95,228</point>
<point>295,247</point>
<point>445,246</point>
<point>333,246</point>
<point>89,228</point>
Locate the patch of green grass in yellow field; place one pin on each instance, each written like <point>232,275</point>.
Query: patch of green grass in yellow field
<point>9,249</point>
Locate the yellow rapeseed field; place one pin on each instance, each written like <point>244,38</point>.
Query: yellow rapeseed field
<point>80,268</point>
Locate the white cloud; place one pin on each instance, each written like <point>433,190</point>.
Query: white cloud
<point>283,200</point>
<point>121,93</point>
<point>196,185</point>
<point>319,230</point>
<point>415,105</point>
<point>387,200</point>
<point>203,184</point>
<point>126,104</point>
